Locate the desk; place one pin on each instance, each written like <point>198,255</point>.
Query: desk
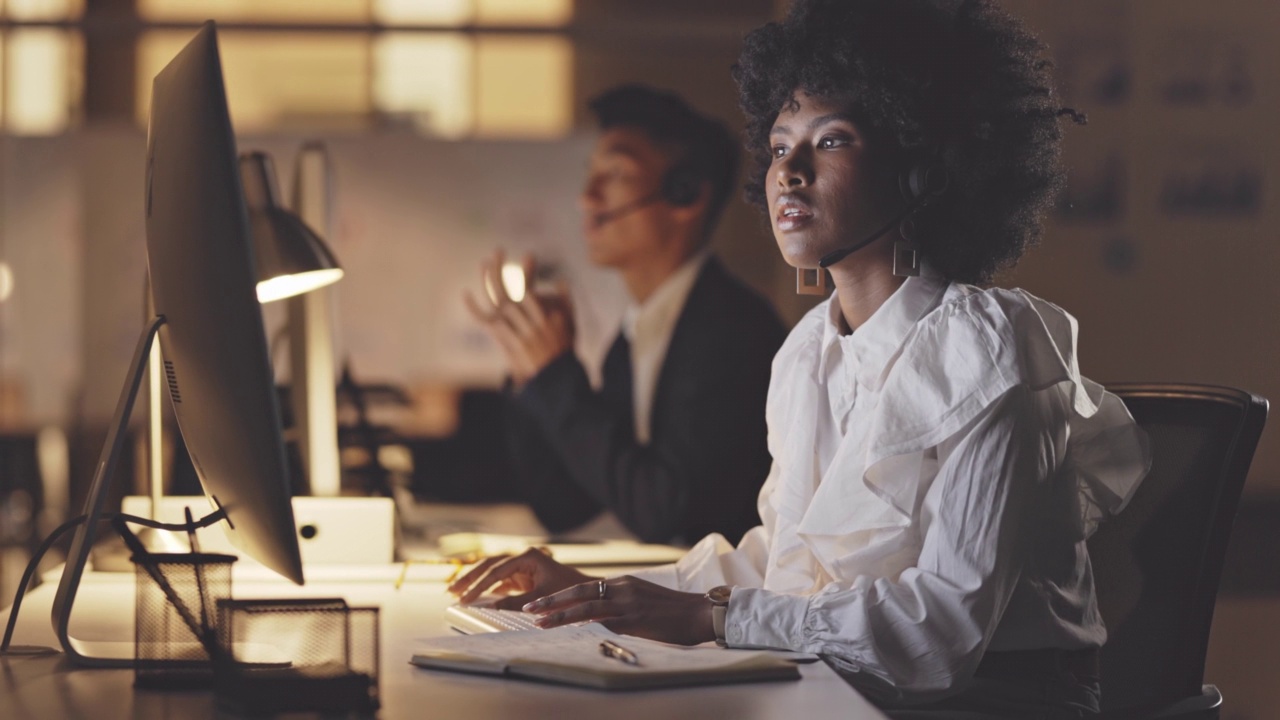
<point>43,688</point>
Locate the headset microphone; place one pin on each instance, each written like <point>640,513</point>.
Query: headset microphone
<point>919,184</point>
<point>624,209</point>
<point>836,256</point>
<point>681,187</point>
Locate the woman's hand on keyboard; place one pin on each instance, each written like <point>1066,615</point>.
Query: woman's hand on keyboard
<point>529,575</point>
<point>630,606</point>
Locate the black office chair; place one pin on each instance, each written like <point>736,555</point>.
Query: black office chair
<point>1156,565</point>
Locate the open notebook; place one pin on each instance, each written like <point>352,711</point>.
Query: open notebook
<point>571,655</point>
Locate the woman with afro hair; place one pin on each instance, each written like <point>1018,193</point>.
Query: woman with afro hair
<point>939,460</point>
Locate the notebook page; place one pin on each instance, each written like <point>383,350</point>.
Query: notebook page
<point>579,645</point>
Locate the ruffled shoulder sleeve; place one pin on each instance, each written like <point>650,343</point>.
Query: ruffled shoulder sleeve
<point>966,355</point>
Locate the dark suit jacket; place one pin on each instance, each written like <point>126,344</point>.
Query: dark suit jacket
<point>575,453</point>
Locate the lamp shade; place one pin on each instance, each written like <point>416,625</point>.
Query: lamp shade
<point>290,257</point>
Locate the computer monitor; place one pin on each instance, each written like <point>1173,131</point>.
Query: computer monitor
<point>200,260</point>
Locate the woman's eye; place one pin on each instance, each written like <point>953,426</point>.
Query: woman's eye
<point>827,143</point>
<point>779,150</point>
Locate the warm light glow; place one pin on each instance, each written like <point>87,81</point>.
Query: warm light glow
<point>6,281</point>
<point>547,13</point>
<point>525,87</point>
<point>444,85</point>
<point>284,286</point>
<point>38,64</point>
<point>350,11</point>
<point>513,280</point>
<point>41,9</point>
<point>418,12</point>
<point>273,79</point>
<point>513,283</point>
<point>544,13</point>
<point>426,78</point>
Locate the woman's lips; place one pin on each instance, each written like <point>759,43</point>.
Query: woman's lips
<point>792,213</point>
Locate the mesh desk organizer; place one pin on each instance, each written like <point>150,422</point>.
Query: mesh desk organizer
<point>259,656</point>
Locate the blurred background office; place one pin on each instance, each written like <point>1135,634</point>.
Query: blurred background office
<point>456,126</point>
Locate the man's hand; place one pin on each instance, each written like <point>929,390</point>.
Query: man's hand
<point>632,607</point>
<point>531,332</point>
<point>531,574</point>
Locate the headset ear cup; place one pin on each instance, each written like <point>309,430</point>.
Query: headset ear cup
<point>909,182</point>
<point>924,180</point>
<point>680,188</point>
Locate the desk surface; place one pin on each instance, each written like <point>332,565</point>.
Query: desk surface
<point>47,687</point>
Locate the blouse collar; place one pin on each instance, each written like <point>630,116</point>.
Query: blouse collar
<point>869,349</point>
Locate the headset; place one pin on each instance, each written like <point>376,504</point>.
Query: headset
<point>919,184</point>
<point>681,187</point>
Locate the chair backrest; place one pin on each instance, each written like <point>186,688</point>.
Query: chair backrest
<point>1157,564</point>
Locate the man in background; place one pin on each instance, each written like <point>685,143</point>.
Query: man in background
<point>673,443</point>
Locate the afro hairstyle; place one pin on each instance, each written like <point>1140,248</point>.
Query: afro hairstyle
<point>956,82</point>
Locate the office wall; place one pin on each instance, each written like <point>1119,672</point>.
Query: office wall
<point>40,326</point>
<point>1169,255</point>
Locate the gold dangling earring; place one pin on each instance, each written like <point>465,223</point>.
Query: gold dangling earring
<point>811,281</point>
<point>906,253</point>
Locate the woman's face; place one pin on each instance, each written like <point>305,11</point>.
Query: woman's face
<point>826,186</point>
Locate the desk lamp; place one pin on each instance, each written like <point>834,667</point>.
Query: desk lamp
<point>290,259</point>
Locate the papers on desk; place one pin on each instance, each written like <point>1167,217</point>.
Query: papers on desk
<point>612,553</point>
<point>571,655</point>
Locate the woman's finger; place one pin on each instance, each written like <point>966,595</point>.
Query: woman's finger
<point>495,574</point>
<point>569,596</point>
<point>515,602</point>
<point>475,573</point>
<point>524,562</point>
<point>582,612</point>
<point>507,586</point>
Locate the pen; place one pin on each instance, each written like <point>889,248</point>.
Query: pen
<point>611,649</point>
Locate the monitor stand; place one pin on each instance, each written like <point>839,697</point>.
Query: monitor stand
<point>80,652</point>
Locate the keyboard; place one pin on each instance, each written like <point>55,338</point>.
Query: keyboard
<point>473,619</point>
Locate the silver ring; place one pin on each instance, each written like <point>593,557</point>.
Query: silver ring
<point>601,587</point>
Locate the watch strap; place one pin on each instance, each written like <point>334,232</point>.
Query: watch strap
<point>718,615</point>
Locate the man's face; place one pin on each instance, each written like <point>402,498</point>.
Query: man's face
<point>626,169</point>
<point>825,186</point>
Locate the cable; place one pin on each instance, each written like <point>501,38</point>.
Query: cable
<point>59,531</point>
<point>31,570</point>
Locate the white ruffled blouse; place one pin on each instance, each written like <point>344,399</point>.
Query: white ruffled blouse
<point>936,473</point>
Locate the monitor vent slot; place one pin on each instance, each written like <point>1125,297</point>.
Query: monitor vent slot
<point>173,382</point>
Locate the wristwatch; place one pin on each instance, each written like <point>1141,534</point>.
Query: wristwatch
<point>719,599</point>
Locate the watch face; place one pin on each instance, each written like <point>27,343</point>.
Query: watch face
<point>720,595</point>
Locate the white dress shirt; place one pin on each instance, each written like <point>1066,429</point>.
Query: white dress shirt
<point>936,474</point>
<point>648,327</point>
